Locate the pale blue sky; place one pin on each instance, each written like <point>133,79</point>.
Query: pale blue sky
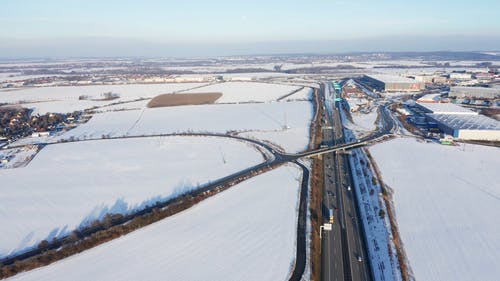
<point>179,25</point>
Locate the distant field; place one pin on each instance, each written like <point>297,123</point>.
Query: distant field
<point>185,99</point>
<point>240,92</point>
<point>67,98</point>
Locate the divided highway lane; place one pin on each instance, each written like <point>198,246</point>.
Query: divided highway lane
<point>335,257</point>
<point>343,249</point>
<point>332,265</point>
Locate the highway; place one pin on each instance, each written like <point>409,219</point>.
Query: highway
<point>343,247</point>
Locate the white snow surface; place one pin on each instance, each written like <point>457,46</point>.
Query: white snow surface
<point>234,92</point>
<point>363,123</point>
<point>17,157</point>
<point>68,185</point>
<point>66,99</point>
<point>304,94</point>
<point>447,200</point>
<point>245,233</point>
<point>264,121</point>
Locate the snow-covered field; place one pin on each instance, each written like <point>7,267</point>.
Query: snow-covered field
<point>66,99</point>
<point>140,104</point>
<point>245,233</point>
<point>70,184</point>
<point>262,120</point>
<point>63,106</point>
<point>304,94</point>
<point>447,201</point>
<point>234,92</point>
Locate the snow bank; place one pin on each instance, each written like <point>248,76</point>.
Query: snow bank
<point>70,184</point>
<point>245,233</point>
<point>446,200</point>
<point>381,251</point>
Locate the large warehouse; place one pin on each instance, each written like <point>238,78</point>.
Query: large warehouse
<point>460,122</point>
<point>392,83</point>
<point>468,127</point>
<point>474,92</point>
<point>444,108</point>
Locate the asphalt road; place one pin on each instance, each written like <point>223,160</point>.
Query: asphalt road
<point>344,244</point>
<point>340,246</point>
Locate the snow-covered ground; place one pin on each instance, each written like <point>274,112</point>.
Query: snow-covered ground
<point>16,157</point>
<point>66,99</point>
<point>363,119</point>
<point>266,121</point>
<point>67,185</point>
<point>234,92</point>
<point>140,104</point>
<point>447,200</point>
<point>381,251</point>
<point>304,94</point>
<point>63,106</point>
<point>245,233</point>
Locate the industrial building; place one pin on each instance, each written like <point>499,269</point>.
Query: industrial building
<point>444,108</point>
<point>468,127</point>
<point>460,76</point>
<point>392,83</point>
<point>431,78</point>
<point>458,122</point>
<point>474,92</point>
<point>430,98</point>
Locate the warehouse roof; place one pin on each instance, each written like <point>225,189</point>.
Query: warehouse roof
<point>475,91</point>
<point>430,98</point>
<point>392,78</point>
<point>467,122</point>
<point>446,108</point>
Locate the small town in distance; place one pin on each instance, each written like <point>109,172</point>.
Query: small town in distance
<point>272,141</point>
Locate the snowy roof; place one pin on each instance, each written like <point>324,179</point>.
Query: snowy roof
<point>446,108</point>
<point>392,78</point>
<point>430,97</point>
<point>462,90</point>
<point>467,122</point>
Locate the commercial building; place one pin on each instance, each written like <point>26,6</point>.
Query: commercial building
<point>392,83</point>
<point>467,127</point>
<point>474,92</point>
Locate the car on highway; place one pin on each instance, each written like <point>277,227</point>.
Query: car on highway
<point>359,258</point>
